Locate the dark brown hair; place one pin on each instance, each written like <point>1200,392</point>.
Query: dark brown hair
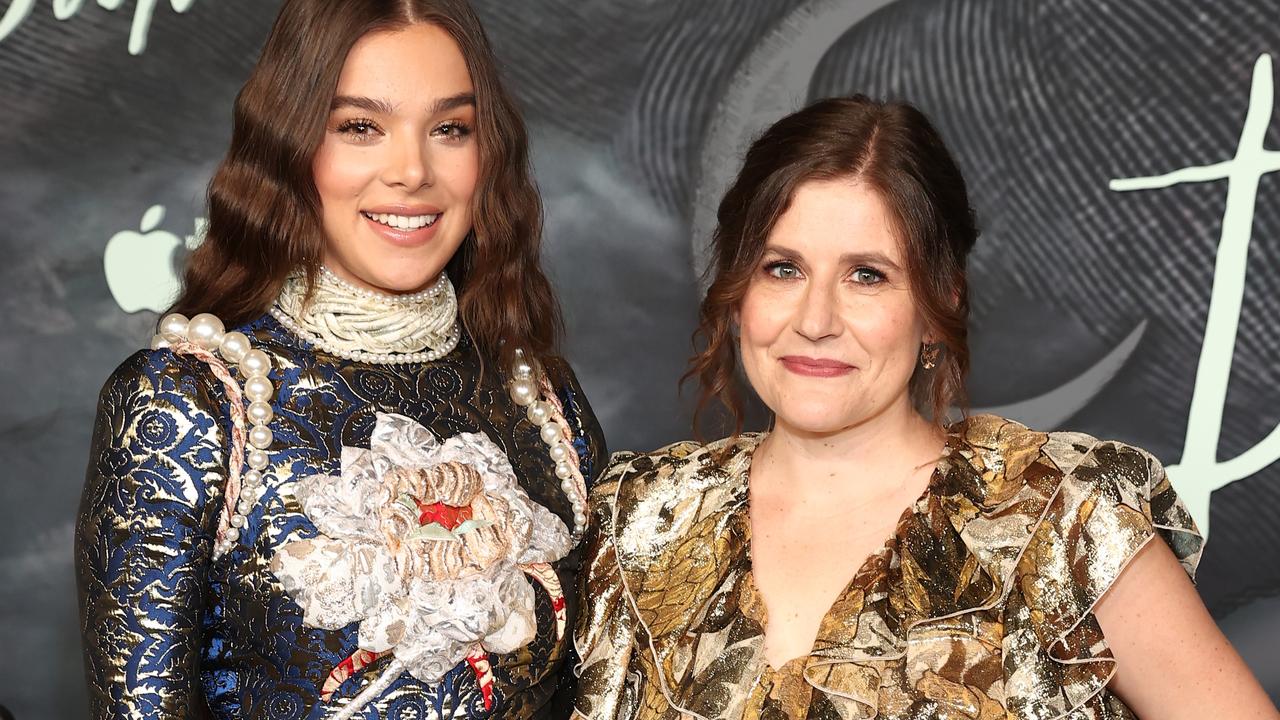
<point>264,211</point>
<point>893,148</point>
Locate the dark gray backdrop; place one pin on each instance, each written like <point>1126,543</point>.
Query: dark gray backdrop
<point>1091,302</point>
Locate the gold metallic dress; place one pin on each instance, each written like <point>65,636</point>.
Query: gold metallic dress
<point>979,606</point>
<point>172,632</point>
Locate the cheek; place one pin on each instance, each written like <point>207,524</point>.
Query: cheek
<point>890,331</point>
<point>760,319</point>
<point>339,173</point>
<point>460,172</point>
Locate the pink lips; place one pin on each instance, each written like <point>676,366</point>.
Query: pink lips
<point>403,237</point>
<point>816,367</point>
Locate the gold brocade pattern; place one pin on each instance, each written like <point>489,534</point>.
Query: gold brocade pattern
<point>978,607</point>
<point>171,632</point>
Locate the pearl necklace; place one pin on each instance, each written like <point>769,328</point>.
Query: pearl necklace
<point>204,336</point>
<point>366,326</point>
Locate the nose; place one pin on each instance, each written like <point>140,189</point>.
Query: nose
<point>818,316</point>
<point>409,163</point>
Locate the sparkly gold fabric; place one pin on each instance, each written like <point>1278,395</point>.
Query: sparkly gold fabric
<point>978,607</point>
<point>170,632</point>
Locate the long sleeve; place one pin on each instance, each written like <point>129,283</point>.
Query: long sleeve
<point>607,628</point>
<point>144,537</point>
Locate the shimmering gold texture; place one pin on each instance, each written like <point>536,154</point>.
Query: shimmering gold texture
<point>979,606</point>
<point>170,633</point>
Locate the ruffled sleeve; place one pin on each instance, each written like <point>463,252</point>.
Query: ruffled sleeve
<point>1112,500</point>
<point>606,634</point>
<point>144,537</point>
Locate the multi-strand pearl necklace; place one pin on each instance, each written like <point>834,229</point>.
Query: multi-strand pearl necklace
<point>366,326</point>
<point>204,336</point>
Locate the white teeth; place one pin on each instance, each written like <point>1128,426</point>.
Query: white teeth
<point>402,222</point>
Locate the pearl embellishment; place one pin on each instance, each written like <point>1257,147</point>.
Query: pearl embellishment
<point>207,331</point>
<point>527,376</point>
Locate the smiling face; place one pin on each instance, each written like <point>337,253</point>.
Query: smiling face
<point>829,332</point>
<point>398,165</point>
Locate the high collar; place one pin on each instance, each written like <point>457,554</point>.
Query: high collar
<point>357,323</point>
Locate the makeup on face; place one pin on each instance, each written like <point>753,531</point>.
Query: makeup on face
<point>828,329</point>
<point>397,169</point>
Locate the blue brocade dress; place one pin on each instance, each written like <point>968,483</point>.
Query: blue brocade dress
<point>170,632</point>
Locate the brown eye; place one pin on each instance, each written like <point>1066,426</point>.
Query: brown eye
<point>358,130</point>
<point>453,130</point>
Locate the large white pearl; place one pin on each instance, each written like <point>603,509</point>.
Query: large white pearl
<point>258,459</point>
<point>260,437</point>
<point>559,452</point>
<point>551,433</point>
<point>259,413</point>
<point>251,477</point>
<point>539,413</point>
<point>258,387</point>
<point>232,535</point>
<point>174,327</point>
<point>564,471</point>
<point>524,393</point>
<point>206,331</point>
<point>255,362</point>
<point>159,342</point>
<point>234,345</point>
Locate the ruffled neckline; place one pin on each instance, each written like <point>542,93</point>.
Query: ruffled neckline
<point>955,552</point>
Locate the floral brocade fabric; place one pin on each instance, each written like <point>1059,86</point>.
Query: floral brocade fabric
<point>170,632</point>
<point>978,607</point>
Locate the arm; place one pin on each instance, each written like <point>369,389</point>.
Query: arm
<point>1172,661</point>
<point>606,631</point>
<point>144,537</point>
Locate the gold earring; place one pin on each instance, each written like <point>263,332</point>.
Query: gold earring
<point>929,353</point>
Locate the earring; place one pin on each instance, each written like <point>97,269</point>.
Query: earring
<point>929,353</point>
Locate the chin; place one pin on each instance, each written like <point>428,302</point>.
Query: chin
<point>817,418</point>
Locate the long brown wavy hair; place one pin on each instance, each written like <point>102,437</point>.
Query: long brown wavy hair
<point>264,211</point>
<point>893,148</point>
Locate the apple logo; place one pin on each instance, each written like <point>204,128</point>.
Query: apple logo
<point>139,265</point>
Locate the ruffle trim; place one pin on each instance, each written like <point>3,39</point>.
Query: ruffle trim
<point>1094,504</point>
<point>1040,524</point>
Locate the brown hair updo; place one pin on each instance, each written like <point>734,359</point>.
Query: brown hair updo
<point>894,149</point>
<point>264,211</point>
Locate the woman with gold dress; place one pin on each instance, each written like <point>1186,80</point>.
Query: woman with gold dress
<point>349,477</point>
<point>861,559</point>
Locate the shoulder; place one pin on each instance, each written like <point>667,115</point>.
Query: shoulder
<point>160,375</point>
<point>653,483</point>
<point>1066,485</point>
<point>1013,454</point>
<point>640,471</point>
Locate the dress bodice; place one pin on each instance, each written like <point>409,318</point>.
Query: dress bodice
<point>170,630</point>
<point>978,606</point>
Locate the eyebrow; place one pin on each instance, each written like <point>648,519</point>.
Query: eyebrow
<point>869,258</point>
<point>382,107</point>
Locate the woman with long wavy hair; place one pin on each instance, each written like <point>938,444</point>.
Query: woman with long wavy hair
<point>346,479</point>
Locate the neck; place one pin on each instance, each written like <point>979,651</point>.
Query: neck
<point>860,462</point>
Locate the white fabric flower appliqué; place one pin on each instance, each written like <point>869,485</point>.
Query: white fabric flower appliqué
<point>426,545</point>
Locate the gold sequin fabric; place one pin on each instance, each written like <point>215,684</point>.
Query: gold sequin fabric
<point>170,632</point>
<point>978,607</point>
